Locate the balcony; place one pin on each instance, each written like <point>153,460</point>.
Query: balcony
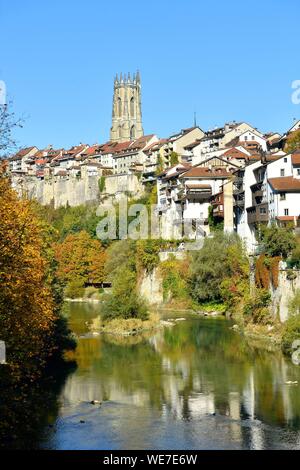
<point>239,203</point>
<point>258,213</point>
<point>218,211</point>
<point>199,196</point>
<point>237,191</point>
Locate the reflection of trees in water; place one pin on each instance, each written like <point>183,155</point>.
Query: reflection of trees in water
<point>192,369</point>
<point>27,409</point>
<point>195,367</point>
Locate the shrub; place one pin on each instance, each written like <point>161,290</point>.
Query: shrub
<point>218,268</point>
<point>256,307</point>
<point>174,273</point>
<point>101,184</point>
<point>293,142</point>
<point>262,275</point>
<point>291,275</point>
<point>294,260</point>
<point>278,241</point>
<point>91,292</point>
<point>124,302</point>
<point>148,254</point>
<point>174,158</point>
<point>75,289</point>
<point>290,334</point>
<point>294,303</point>
<point>266,271</point>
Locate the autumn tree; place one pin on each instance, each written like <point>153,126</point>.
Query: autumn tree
<point>293,142</point>
<point>80,259</point>
<point>28,314</point>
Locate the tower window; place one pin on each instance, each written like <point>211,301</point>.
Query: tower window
<point>132,107</point>
<point>132,133</point>
<point>119,107</point>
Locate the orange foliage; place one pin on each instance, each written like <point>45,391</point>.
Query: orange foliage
<point>80,257</point>
<point>26,303</point>
<point>262,275</point>
<point>267,271</point>
<point>274,268</point>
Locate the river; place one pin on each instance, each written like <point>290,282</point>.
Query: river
<point>195,385</point>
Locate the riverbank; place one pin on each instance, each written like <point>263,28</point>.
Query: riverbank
<point>265,337</point>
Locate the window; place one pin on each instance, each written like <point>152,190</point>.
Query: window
<point>132,107</point>
<point>286,212</point>
<point>119,107</point>
<point>282,196</point>
<point>132,133</point>
<point>298,171</point>
<point>285,160</point>
<point>246,138</point>
<point>282,172</point>
<point>262,210</point>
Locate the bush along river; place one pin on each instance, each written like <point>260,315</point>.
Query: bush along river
<point>194,385</point>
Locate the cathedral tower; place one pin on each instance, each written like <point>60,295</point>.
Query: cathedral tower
<point>127,109</point>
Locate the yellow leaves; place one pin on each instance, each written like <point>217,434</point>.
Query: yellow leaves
<point>80,256</point>
<point>26,304</point>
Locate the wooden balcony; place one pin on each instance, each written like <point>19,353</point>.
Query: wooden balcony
<point>199,196</point>
<point>258,213</point>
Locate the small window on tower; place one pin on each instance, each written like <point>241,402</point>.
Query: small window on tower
<point>132,107</point>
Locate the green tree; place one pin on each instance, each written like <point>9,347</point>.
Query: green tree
<point>291,330</point>
<point>218,269</point>
<point>174,158</point>
<point>293,142</point>
<point>124,301</point>
<point>278,241</point>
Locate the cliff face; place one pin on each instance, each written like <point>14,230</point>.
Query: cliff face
<point>150,287</point>
<point>61,192</point>
<point>284,292</point>
<point>73,191</point>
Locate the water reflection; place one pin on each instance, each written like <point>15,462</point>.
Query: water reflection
<point>197,384</point>
<point>194,385</point>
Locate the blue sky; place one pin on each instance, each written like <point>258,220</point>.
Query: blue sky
<point>225,60</point>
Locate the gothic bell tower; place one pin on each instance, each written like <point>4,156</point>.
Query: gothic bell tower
<point>127,109</point>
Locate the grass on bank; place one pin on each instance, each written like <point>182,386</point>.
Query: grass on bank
<point>126,327</point>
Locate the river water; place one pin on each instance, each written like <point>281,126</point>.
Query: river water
<point>195,385</point>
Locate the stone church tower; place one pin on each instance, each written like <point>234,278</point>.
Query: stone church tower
<point>127,109</point>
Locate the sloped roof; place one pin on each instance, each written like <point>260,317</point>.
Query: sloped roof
<point>287,184</point>
<point>206,172</point>
<point>22,153</point>
<point>296,158</point>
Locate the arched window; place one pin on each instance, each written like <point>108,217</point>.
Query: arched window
<point>120,132</point>
<point>119,107</point>
<point>132,107</point>
<point>132,133</point>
